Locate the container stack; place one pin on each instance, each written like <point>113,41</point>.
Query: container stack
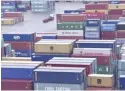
<point>18,75</point>
<point>108,29</point>
<point>23,6</point>
<point>115,11</point>
<point>11,18</point>
<point>121,72</point>
<point>48,48</point>
<point>100,49</point>
<point>100,82</point>
<point>92,29</point>
<point>59,78</point>
<point>7,6</point>
<point>70,26</point>
<point>21,42</point>
<point>42,6</point>
<point>96,8</point>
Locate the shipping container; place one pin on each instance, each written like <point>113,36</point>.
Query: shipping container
<point>104,69</point>
<point>99,88</point>
<point>105,35</point>
<point>113,17</point>
<point>12,84</point>
<point>115,12</point>
<point>13,14</point>
<point>19,36</point>
<point>120,34</point>
<point>16,59</point>
<point>92,28</point>
<point>116,6</point>
<point>70,37</point>
<point>121,64</point>
<point>45,57</point>
<point>49,37</point>
<point>122,82</point>
<point>68,79</point>
<point>8,21</point>
<point>93,22</point>
<point>7,49</point>
<point>120,41</point>
<point>121,26</point>
<point>123,56</point>
<point>100,80</point>
<point>108,27</point>
<point>92,35</point>
<point>96,11</point>
<point>17,72</point>
<point>96,6</point>
<point>2,52</point>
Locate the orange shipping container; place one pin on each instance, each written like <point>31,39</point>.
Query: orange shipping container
<point>100,80</point>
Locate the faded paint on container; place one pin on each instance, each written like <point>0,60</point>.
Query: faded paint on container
<point>53,47</point>
<point>96,6</point>
<point>90,35</point>
<point>7,84</point>
<point>70,33</point>
<point>100,80</point>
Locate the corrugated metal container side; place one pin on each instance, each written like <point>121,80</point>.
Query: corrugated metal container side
<point>122,82</point>
<point>53,47</point>
<point>13,14</point>
<point>21,72</point>
<point>60,79</point>
<point>96,6</point>
<point>90,35</point>
<point>70,37</point>
<point>114,17</point>
<point>108,27</point>
<point>96,10</point>
<point>96,44</point>
<point>120,34</point>
<point>21,45</point>
<point>88,66</point>
<point>92,22</point>
<point>7,84</point>
<point>116,12</point>
<point>19,36</point>
<point>49,37</point>
<point>100,80</point>
<point>99,88</point>
<point>46,57</point>
<point>23,53</point>
<point>105,35</point>
<point>8,21</point>
<point>16,58</point>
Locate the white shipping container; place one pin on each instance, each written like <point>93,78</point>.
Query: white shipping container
<point>93,51</point>
<point>70,33</point>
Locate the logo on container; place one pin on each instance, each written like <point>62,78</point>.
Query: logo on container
<point>16,37</point>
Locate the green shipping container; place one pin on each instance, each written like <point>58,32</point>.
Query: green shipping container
<point>102,69</point>
<point>70,26</point>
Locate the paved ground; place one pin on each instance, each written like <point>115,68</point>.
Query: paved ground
<point>33,21</point>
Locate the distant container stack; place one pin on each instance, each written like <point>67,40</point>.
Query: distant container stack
<point>11,18</point>
<point>42,6</point>
<point>92,29</point>
<point>22,43</point>
<point>46,49</point>
<point>70,26</point>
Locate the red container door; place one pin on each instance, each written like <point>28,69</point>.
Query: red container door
<point>108,35</point>
<point>16,84</point>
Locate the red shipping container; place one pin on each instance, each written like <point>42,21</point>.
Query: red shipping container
<point>114,17</point>
<point>70,37</point>
<point>13,14</point>
<point>95,15</point>
<point>98,88</point>
<point>71,18</point>
<point>124,12</point>
<point>120,34</point>
<point>115,12</point>
<point>7,84</point>
<point>101,60</point>
<point>96,6</point>
<point>122,1</point>
<point>108,35</point>
<point>21,45</point>
<point>87,66</point>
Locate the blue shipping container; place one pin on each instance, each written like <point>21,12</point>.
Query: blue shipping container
<point>56,76</point>
<point>108,27</point>
<point>111,22</point>
<point>16,36</point>
<point>23,53</point>
<point>46,57</point>
<point>49,37</point>
<point>8,3</point>
<point>94,35</point>
<point>95,22</point>
<point>122,82</point>
<point>17,72</point>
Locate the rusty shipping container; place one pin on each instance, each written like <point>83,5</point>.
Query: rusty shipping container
<point>21,45</point>
<point>7,84</point>
<point>100,80</point>
<point>96,6</point>
<point>70,17</point>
